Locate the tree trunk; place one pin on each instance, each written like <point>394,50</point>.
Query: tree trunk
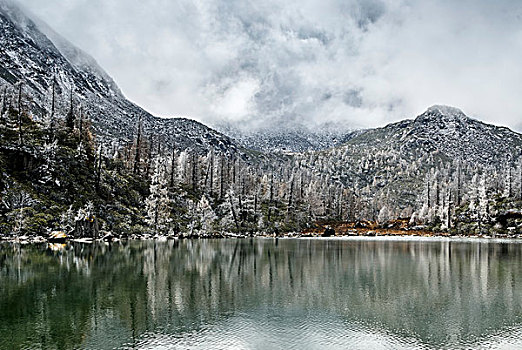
<point>69,121</point>
<point>53,107</point>
<point>233,213</point>
<point>194,177</point>
<point>137,155</point>
<point>20,135</point>
<point>222,180</point>
<point>211,172</point>
<point>172,167</point>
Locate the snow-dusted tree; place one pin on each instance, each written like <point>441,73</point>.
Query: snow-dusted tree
<point>86,222</point>
<point>46,170</point>
<point>483,201</point>
<point>137,153</point>
<point>508,182</point>
<point>449,211</point>
<point>233,208</point>
<point>205,216</point>
<point>173,168</point>
<point>71,115</point>
<point>67,220</point>
<point>183,167</point>
<point>458,183</point>
<point>16,200</point>
<point>52,120</point>
<point>473,197</point>
<point>3,105</point>
<point>520,179</point>
<point>82,152</point>
<point>157,204</point>
<point>384,215</point>
<point>414,219</point>
<point>85,212</point>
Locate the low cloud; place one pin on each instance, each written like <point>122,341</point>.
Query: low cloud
<point>359,63</point>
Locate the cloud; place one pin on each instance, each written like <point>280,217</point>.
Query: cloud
<point>236,102</point>
<point>358,63</point>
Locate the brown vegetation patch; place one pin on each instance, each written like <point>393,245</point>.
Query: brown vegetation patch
<point>399,227</point>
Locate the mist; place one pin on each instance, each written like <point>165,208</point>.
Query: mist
<point>353,63</point>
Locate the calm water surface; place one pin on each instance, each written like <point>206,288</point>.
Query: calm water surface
<point>262,294</point>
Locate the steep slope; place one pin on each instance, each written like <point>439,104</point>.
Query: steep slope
<point>32,54</point>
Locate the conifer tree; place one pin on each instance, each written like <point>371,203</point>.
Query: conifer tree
<point>69,119</point>
<point>19,116</point>
<point>53,108</point>
<point>157,204</point>
<point>137,155</point>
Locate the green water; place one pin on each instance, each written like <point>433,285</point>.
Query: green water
<point>262,294</point>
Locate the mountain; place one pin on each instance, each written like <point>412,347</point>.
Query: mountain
<point>441,167</point>
<point>33,54</point>
<point>396,164</point>
<point>289,137</point>
<point>446,132</point>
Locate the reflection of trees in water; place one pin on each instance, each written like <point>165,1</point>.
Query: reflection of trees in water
<point>439,292</point>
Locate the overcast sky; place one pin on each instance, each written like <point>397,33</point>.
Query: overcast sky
<point>358,62</point>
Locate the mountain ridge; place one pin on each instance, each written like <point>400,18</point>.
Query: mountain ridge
<point>115,117</point>
<point>447,129</point>
<point>34,59</point>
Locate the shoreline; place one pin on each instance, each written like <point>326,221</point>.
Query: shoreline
<point>370,235</point>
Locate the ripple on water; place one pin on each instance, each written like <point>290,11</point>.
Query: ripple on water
<point>317,331</point>
<point>264,294</point>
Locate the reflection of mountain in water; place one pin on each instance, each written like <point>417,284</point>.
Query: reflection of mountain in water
<point>306,291</point>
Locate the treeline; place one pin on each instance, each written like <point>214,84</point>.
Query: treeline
<point>427,188</point>
<point>216,192</point>
<point>57,176</point>
<point>54,173</point>
<point>466,198</point>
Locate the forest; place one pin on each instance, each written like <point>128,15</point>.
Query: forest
<point>57,175</point>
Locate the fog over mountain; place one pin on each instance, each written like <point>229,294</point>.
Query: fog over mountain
<point>354,63</point>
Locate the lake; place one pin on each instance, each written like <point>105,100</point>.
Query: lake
<point>262,294</point>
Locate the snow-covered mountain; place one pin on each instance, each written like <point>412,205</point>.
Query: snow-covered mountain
<point>446,132</point>
<point>396,163</point>
<point>290,137</point>
<point>33,54</point>
<point>431,169</point>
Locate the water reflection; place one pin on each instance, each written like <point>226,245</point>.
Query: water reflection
<point>262,293</point>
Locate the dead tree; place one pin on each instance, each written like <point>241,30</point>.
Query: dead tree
<point>4,105</point>
<point>137,155</point>
<point>194,172</point>
<point>19,116</point>
<point>173,167</point>
<point>222,178</point>
<point>80,125</point>
<point>53,108</point>
<point>211,172</point>
<point>69,120</point>
<point>98,169</point>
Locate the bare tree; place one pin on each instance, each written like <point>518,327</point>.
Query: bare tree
<point>19,115</point>
<point>53,108</point>
<point>137,155</point>
<point>69,119</point>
